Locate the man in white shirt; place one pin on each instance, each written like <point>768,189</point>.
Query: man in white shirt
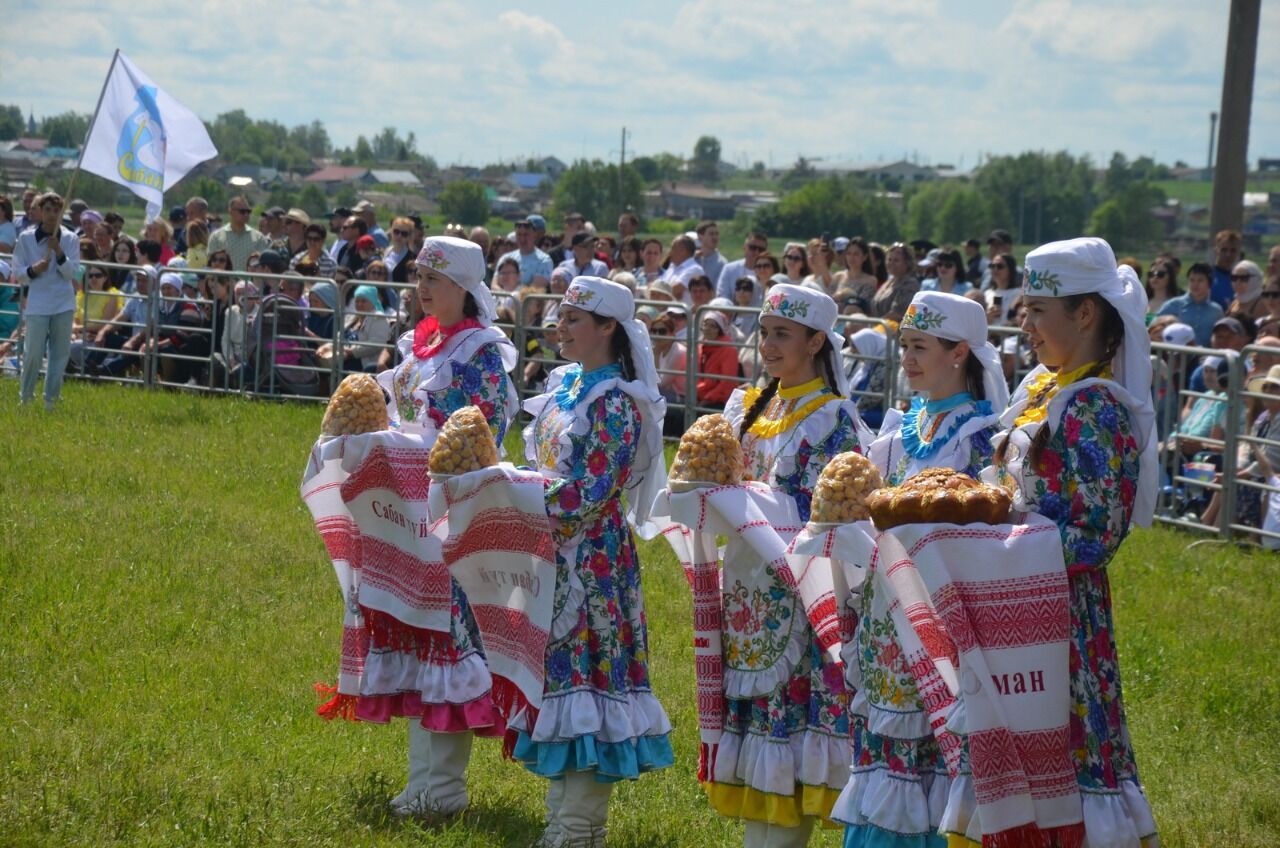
<point>708,253</point>
<point>756,245</point>
<point>337,218</point>
<point>683,267</point>
<point>46,260</point>
<point>582,262</point>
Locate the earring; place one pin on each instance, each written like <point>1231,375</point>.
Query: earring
<point>955,365</point>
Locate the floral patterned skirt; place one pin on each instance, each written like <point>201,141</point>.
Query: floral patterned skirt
<point>598,710</point>
<point>440,679</point>
<point>785,755</point>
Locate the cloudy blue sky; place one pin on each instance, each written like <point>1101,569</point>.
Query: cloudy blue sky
<point>850,81</point>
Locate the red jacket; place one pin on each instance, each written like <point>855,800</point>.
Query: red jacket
<point>717,359</point>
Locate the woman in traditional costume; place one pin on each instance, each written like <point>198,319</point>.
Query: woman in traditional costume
<point>784,753</point>
<point>596,434</point>
<point>899,787</point>
<point>453,358</point>
<point>1080,450</point>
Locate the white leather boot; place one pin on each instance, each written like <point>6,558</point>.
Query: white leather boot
<point>755,834</point>
<point>447,779</point>
<point>790,837</point>
<point>584,812</point>
<point>551,835</point>
<point>419,766</point>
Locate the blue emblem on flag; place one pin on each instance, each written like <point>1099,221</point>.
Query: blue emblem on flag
<point>141,148</point>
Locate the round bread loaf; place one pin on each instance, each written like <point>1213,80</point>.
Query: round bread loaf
<point>939,496</point>
<point>465,444</point>
<point>709,452</point>
<point>358,406</point>
<point>840,497</point>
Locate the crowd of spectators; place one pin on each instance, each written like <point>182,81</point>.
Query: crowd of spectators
<point>288,272</point>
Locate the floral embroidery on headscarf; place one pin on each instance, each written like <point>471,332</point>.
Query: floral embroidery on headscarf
<point>434,257</point>
<point>1033,280</point>
<point>786,308</point>
<point>922,318</point>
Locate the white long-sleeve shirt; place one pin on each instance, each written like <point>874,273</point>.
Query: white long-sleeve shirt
<point>50,293</point>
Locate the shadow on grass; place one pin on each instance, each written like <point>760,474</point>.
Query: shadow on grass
<point>370,799</point>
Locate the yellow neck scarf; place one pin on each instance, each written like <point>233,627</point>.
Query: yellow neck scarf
<point>766,427</point>
<point>1047,385</point>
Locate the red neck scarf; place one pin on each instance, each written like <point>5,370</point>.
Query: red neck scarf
<point>429,336</point>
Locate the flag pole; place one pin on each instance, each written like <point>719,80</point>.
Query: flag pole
<point>101,95</point>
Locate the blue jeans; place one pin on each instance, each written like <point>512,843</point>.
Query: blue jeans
<point>51,332</point>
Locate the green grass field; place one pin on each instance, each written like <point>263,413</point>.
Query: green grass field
<point>167,607</point>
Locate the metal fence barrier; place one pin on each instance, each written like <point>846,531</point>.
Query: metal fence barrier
<point>1206,481</point>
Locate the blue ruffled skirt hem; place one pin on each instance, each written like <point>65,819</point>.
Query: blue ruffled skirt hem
<point>870,836</point>
<point>611,761</point>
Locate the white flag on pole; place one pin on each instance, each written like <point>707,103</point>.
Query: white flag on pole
<point>141,137</point>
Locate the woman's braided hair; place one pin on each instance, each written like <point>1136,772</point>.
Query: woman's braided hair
<point>825,367</point>
<point>1112,338</point>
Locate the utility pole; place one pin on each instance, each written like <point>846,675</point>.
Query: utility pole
<point>1213,134</point>
<point>622,161</point>
<point>1227,212</point>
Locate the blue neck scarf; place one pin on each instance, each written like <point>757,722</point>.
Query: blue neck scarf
<point>912,441</point>
<point>576,384</point>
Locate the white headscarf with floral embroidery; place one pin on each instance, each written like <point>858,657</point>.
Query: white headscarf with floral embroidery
<point>1088,266</point>
<point>959,319</point>
<point>614,300</point>
<point>463,262</point>
<point>815,310</point>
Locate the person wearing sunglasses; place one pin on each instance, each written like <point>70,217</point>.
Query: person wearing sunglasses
<point>1246,282</point>
<point>314,252</point>
<point>1161,285</point>
<point>755,246</point>
<point>947,269</point>
<point>97,305</point>
<point>393,256</point>
<point>795,263</point>
<point>237,238</point>
<point>1004,289</point>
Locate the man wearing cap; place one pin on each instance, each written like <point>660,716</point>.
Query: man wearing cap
<point>237,238</point>
<point>74,211</point>
<point>352,229</point>
<point>294,240</point>
<point>337,218</point>
<point>975,263</point>
<point>535,266</point>
<point>999,242</point>
<point>366,210</point>
<point>1196,308</point>
<point>582,262</point>
<point>573,224</point>
<point>177,220</point>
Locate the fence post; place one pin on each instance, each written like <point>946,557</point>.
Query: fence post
<point>1231,436</point>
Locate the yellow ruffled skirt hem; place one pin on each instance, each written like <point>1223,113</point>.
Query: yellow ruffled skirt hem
<point>955,840</point>
<point>743,802</point>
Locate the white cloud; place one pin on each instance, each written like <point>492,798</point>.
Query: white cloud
<point>858,79</point>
